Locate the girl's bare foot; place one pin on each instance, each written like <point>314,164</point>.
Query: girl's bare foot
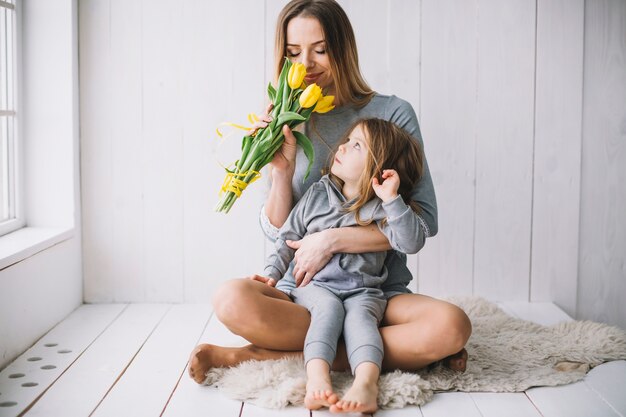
<point>319,394</point>
<point>319,391</point>
<point>362,395</point>
<point>457,362</point>
<point>360,398</point>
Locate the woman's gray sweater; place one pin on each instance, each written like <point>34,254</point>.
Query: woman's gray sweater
<point>325,131</point>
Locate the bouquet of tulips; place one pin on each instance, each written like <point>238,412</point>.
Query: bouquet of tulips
<point>293,102</point>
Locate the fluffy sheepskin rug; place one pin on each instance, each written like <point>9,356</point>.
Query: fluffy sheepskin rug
<point>506,354</point>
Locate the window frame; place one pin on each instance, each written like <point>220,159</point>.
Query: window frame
<point>14,159</point>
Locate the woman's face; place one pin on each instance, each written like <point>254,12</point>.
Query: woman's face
<point>306,44</point>
<point>351,157</point>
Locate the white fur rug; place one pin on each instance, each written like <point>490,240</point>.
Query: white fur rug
<point>505,355</point>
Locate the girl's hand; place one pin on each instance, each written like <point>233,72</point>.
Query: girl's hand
<point>265,280</point>
<point>312,254</point>
<point>388,190</point>
<point>284,161</point>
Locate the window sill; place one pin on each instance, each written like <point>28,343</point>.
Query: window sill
<point>28,241</point>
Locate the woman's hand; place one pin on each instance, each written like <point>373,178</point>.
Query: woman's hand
<point>388,190</point>
<point>265,280</point>
<point>263,121</point>
<point>284,161</point>
<point>312,254</point>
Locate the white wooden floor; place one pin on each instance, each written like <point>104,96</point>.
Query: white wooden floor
<point>130,360</point>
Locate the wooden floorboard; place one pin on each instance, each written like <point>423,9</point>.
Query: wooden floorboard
<point>193,400</point>
<point>151,378</point>
<point>131,360</point>
<point>79,390</point>
<point>609,382</point>
<point>190,399</point>
<point>250,410</point>
<point>546,314</point>
<point>57,350</point>
<point>509,404</point>
<point>409,411</point>
<point>572,400</point>
<point>448,404</point>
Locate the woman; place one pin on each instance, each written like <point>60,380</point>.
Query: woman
<point>416,330</point>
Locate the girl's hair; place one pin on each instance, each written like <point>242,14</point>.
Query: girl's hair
<point>350,87</point>
<point>390,147</point>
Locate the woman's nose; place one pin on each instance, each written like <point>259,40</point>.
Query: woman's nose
<point>307,59</point>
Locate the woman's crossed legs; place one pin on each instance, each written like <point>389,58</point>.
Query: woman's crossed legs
<point>417,330</point>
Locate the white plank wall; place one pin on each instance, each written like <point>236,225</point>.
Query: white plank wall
<point>498,88</point>
<point>161,159</point>
<point>504,131</point>
<point>449,65</point>
<point>127,145</point>
<point>96,156</point>
<point>602,267</point>
<point>557,144</point>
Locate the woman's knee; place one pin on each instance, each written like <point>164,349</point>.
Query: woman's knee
<point>456,325</point>
<point>230,299</point>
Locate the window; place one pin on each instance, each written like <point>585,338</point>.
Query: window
<point>10,214</point>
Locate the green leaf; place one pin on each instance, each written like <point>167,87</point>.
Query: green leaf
<point>245,146</point>
<point>282,82</point>
<point>289,116</point>
<point>307,112</point>
<point>307,147</point>
<point>271,92</point>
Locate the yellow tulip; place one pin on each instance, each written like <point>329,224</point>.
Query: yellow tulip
<point>296,75</point>
<point>310,96</point>
<point>324,104</point>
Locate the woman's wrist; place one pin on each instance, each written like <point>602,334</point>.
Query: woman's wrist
<point>280,198</point>
<point>331,237</point>
<point>283,176</point>
<point>356,239</point>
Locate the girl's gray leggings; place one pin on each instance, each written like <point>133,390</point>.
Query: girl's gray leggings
<point>357,312</point>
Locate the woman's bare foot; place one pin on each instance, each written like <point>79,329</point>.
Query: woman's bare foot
<point>205,357</point>
<point>457,362</point>
<point>363,394</point>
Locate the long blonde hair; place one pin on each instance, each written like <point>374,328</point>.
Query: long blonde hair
<point>390,147</point>
<point>350,86</point>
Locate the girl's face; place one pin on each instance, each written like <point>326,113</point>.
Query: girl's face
<point>351,157</point>
<point>306,44</point>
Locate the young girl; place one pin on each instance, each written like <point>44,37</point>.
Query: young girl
<point>345,295</point>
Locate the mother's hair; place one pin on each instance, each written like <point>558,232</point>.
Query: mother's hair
<point>350,86</point>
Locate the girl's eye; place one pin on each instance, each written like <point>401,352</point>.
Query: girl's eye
<point>357,145</point>
<point>292,53</point>
<point>323,51</point>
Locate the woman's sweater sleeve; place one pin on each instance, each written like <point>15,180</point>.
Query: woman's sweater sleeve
<point>295,228</point>
<point>270,231</point>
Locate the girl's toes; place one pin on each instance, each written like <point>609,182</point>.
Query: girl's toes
<point>332,398</point>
